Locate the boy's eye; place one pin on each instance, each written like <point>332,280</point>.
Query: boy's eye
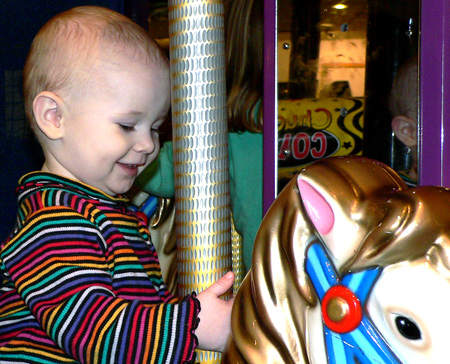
<point>126,128</point>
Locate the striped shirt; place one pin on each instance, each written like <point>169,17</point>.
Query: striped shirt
<point>81,282</point>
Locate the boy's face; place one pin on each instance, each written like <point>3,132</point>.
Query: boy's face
<point>111,130</point>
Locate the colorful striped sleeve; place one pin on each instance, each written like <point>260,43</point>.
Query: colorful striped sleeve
<point>72,282</point>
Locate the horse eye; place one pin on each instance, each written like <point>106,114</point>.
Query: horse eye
<point>408,328</point>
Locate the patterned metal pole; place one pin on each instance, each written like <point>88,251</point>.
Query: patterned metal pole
<point>197,66</point>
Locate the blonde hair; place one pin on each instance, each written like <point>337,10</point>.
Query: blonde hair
<point>244,73</point>
<point>64,50</point>
<point>404,92</point>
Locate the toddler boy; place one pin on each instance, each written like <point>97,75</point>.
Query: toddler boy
<point>80,279</point>
<point>403,107</point>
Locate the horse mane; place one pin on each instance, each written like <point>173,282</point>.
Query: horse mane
<point>377,224</point>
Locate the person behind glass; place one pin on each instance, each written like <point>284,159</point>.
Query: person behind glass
<point>244,76</point>
<point>80,278</point>
<point>403,108</point>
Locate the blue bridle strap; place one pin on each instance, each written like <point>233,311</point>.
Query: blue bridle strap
<point>363,343</point>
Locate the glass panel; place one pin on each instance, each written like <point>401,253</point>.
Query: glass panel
<point>337,61</point>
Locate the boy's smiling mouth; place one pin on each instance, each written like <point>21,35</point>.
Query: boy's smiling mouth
<point>130,169</point>
<point>131,165</point>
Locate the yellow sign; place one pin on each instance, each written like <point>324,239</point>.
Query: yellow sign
<point>312,129</point>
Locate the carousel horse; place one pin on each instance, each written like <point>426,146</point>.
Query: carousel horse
<point>349,266</point>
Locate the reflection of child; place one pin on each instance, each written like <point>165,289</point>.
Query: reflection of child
<point>403,107</point>
<point>244,47</point>
<point>80,279</point>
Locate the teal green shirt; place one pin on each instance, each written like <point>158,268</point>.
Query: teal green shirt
<point>246,164</point>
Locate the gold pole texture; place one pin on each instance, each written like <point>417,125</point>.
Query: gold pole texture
<point>202,198</point>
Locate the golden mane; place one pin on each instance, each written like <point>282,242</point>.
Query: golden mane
<point>378,226</point>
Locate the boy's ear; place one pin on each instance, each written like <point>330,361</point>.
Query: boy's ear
<point>405,130</point>
<point>47,109</point>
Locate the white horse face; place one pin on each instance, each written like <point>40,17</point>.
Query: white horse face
<point>409,306</point>
<point>408,301</point>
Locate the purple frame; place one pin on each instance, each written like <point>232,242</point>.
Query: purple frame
<point>434,103</point>
<point>270,104</point>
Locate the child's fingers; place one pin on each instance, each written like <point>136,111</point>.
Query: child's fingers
<point>222,285</point>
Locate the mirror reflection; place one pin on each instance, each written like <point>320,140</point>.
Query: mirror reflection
<point>337,62</point>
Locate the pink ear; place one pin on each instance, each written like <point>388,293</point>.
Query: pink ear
<point>318,209</point>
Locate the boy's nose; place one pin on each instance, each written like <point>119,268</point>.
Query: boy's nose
<point>145,145</point>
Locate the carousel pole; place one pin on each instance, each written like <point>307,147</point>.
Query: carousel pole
<point>202,198</point>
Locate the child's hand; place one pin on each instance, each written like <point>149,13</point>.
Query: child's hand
<point>215,315</point>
